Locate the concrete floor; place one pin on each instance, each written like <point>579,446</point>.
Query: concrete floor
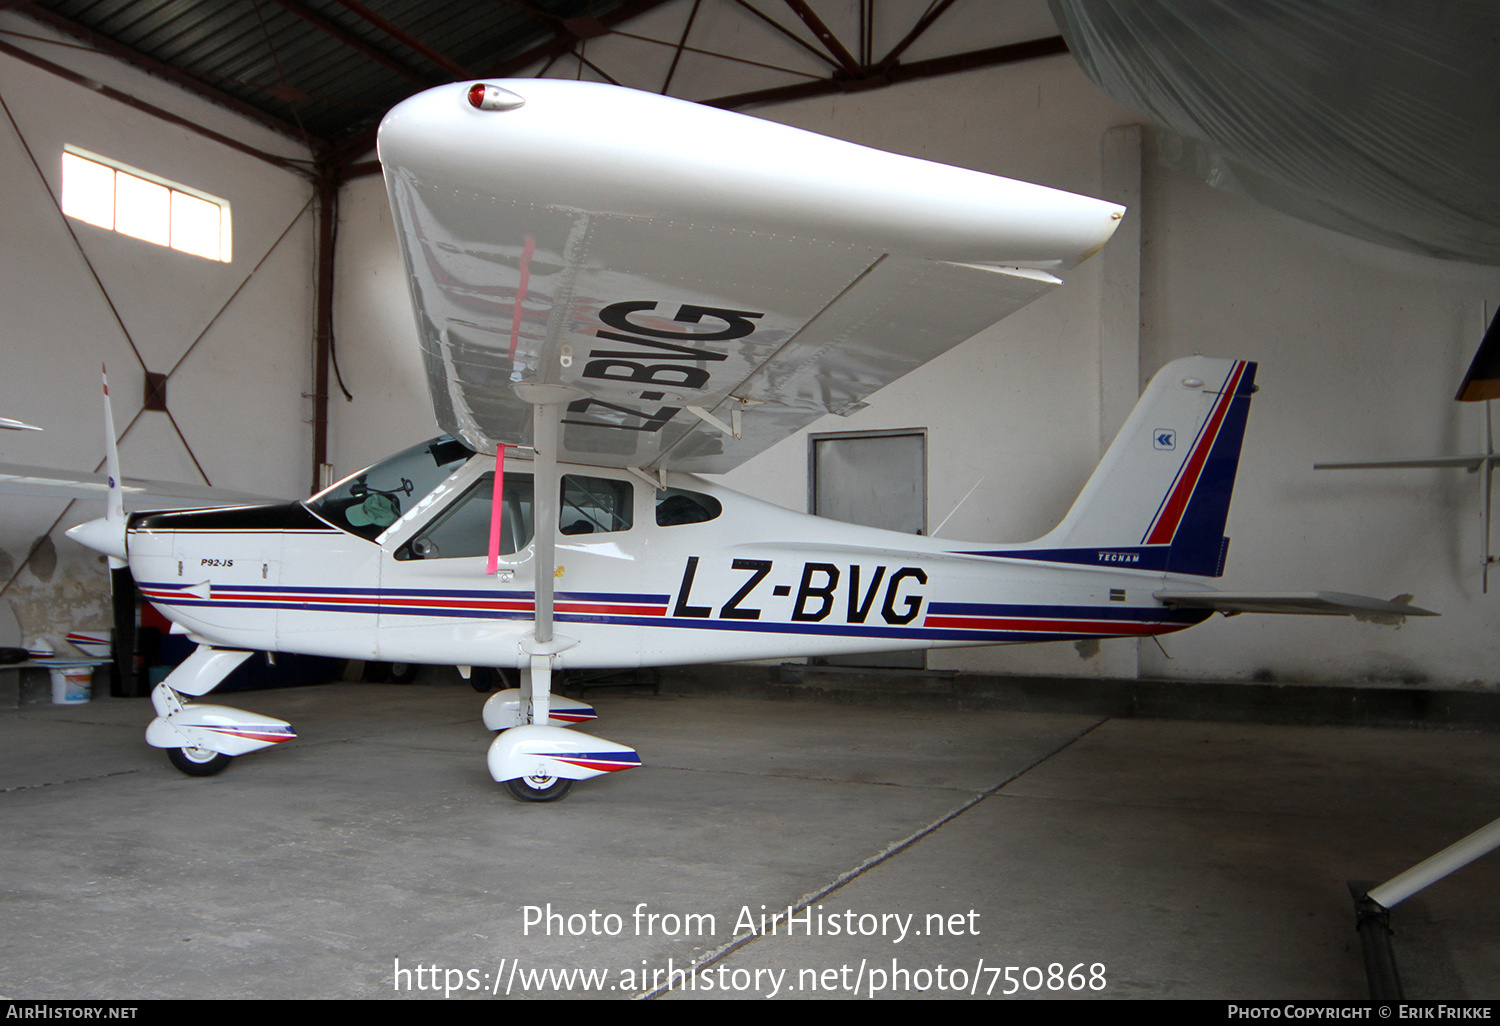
<point>1185,859</point>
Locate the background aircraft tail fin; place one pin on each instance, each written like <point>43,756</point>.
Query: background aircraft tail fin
<point>1160,497</point>
<point>114,502</point>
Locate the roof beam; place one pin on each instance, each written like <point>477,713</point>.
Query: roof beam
<point>178,77</point>
<point>677,53</point>
<point>922,25</point>
<point>399,34</point>
<point>285,163</point>
<point>995,55</point>
<point>354,42</point>
<point>779,27</point>
<point>826,37</point>
<point>564,40</point>
<point>561,43</point>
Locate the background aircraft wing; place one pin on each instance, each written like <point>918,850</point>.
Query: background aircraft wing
<point>676,265</point>
<point>139,493</point>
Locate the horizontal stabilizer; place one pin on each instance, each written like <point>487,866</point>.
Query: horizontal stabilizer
<point>1317,603</point>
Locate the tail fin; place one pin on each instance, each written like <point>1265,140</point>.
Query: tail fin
<point>1160,496</point>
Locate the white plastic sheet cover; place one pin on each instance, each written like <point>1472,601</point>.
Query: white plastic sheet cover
<point>1378,119</point>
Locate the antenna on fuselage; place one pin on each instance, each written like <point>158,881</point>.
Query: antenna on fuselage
<point>956,508</point>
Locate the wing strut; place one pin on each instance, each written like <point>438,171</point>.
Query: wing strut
<point>547,405</point>
<point>545,432</point>
<point>538,758</point>
<point>497,510</point>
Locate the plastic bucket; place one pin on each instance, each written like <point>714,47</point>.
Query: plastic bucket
<point>71,686</point>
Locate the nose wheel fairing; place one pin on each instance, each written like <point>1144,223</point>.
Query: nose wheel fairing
<point>196,736</point>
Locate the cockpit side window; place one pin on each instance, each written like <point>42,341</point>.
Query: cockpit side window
<point>368,502</point>
<point>595,505</point>
<point>463,529</point>
<point>676,506</point>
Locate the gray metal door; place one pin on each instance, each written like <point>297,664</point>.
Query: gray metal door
<point>878,479</point>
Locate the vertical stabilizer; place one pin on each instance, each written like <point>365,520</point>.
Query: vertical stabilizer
<point>1160,497</point>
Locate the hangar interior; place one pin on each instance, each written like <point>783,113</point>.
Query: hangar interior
<point>1361,346</point>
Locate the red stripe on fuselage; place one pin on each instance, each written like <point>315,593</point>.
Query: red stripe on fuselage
<point>1100,627</point>
<point>396,603</point>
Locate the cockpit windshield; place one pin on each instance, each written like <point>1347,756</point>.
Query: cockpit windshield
<point>368,502</point>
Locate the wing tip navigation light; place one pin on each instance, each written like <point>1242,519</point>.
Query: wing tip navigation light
<point>492,97</point>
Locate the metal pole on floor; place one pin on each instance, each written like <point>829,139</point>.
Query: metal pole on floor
<point>1452,858</point>
<point>1372,905</point>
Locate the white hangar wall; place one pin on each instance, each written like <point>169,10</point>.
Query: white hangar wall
<point>1361,349</point>
<point>237,397</point>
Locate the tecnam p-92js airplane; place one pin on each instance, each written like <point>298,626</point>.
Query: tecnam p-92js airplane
<point>615,291</point>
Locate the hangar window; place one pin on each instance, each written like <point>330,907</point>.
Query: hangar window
<point>144,206</point>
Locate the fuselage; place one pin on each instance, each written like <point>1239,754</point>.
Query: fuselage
<point>644,575</point>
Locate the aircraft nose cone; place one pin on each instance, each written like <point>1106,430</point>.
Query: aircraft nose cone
<point>101,535</point>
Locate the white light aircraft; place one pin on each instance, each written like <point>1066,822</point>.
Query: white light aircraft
<point>613,291</point>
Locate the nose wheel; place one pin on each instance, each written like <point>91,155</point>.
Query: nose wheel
<point>198,762</point>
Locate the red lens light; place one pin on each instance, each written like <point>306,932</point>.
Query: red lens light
<point>476,95</point>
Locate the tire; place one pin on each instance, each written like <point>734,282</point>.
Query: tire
<point>198,762</point>
<point>523,789</point>
<point>390,673</point>
<point>485,679</point>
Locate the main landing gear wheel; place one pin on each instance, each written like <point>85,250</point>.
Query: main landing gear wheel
<point>543,788</point>
<point>485,679</point>
<point>390,673</point>
<point>198,762</point>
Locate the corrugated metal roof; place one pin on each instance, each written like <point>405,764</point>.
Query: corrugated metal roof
<point>324,70</point>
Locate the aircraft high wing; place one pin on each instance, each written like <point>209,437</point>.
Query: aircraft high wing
<point>656,258</point>
<point>613,289</point>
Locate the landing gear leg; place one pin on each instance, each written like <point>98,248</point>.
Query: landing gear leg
<point>536,761</point>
